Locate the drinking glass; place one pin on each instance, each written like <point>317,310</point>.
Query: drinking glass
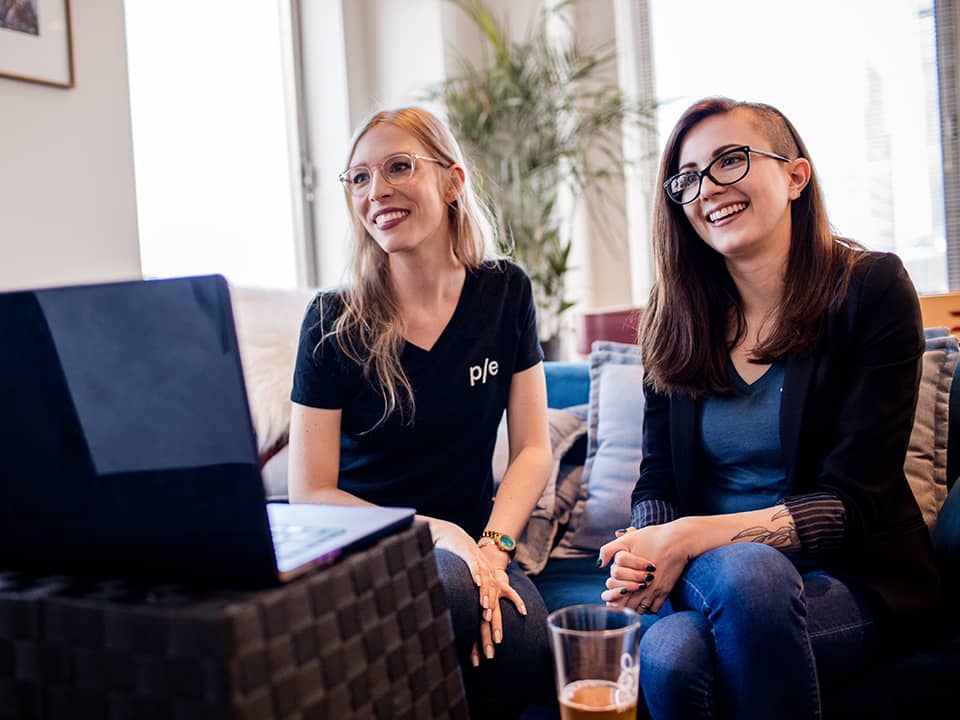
<point>596,658</point>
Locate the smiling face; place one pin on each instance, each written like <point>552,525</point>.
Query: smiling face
<point>408,217</point>
<point>750,218</point>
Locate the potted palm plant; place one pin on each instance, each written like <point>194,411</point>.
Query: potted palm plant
<point>539,120</point>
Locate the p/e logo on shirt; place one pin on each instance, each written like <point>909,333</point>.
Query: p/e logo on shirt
<point>479,373</point>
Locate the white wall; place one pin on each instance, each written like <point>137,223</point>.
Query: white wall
<point>601,248</point>
<point>67,202</point>
<point>394,50</point>
<point>327,131</point>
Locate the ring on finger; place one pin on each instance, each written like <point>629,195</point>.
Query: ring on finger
<point>643,609</point>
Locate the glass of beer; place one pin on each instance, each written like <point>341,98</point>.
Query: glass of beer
<point>596,658</point>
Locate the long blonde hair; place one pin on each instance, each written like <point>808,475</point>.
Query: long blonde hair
<point>368,328</point>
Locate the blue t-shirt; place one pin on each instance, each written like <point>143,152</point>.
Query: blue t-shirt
<point>743,463</point>
<point>440,463</point>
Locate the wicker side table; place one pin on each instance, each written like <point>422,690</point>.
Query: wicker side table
<point>369,637</point>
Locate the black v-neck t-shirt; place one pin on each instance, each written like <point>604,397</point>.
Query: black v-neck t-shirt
<point>438,462</point>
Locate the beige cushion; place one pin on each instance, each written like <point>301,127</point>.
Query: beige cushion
<point>268,331</point>
<point>926,462</point>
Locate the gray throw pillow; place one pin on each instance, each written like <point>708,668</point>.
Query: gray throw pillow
<point>614,423</point>
<point>926,461</point>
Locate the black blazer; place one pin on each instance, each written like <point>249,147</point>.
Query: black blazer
<point>845,420</point>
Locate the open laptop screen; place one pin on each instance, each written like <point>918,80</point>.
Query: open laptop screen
<point>142,404</point>
<point>125,438</point>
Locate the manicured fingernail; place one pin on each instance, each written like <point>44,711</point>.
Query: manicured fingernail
<point>651,568</point>
<point>489,652</point>
<point>649,577</point>
<point>497,637</point>
<point>624,591</point>
<point>476,579</point>
<point>485,601</point>
<point>488,615</point>
<point>474,659</point>
<point>641,586</point>
<point>599,562</point>
<point>621,530</point>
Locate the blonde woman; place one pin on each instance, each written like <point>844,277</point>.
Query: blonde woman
<point>402,378</point>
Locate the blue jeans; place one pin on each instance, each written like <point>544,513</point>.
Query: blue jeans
<point>521,671</point>
<point>746,635</point>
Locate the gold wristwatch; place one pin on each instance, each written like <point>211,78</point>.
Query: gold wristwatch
<point>503,542</point>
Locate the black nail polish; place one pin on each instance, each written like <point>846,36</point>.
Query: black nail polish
<point>649,577</point>
<point>651,568</point>
<point>624,591</point>
<point>641,586</point>
<point>621,530</point>
<point>599,562</point>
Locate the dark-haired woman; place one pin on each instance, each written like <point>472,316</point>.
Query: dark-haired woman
<point>773,530</point>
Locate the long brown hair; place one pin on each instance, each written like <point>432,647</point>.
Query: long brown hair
<point>368,327</point>
<point>684,332</point>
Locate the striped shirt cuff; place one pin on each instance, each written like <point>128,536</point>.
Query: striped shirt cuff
<point>820,519</point>
<point>652,512</point>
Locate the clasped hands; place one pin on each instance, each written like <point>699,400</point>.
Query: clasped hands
<point>488,568</point>
<point>644,566</point>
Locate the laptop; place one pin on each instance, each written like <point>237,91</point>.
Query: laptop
<point>127,447</point>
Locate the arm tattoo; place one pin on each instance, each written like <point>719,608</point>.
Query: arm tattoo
<point>780,514</point>
<point>783,537</point>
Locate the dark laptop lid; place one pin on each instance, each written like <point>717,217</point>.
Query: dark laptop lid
<point>126,445</point>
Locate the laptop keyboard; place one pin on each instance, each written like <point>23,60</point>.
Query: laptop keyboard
<point>290,539</point>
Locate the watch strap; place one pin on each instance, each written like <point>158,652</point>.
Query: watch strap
<point>504,542</point>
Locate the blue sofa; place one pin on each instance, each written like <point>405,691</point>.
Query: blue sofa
<point>920,685</point>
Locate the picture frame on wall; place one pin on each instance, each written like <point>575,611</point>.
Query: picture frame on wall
<point>35,42</point>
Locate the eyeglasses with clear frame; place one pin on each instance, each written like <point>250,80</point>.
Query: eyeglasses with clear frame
<point>396,169</point>
<point>726,169</point>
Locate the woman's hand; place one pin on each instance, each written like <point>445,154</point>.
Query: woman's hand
<point>488,567</point>
<point>491,627</point>
<point>645,565</point>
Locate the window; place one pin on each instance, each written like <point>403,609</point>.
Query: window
<point>216,191</point>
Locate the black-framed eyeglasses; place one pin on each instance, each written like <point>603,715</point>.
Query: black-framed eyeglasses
<point>396,169</point>
<point>726,169</point>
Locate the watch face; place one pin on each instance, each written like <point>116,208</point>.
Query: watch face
<point>507,543</point>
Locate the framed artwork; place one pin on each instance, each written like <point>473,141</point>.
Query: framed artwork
<point>35,43</point>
